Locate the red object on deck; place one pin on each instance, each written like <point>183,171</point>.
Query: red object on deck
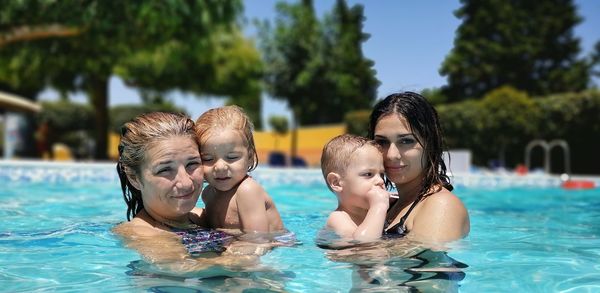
<point>521,169</point>
<point>578,184</point>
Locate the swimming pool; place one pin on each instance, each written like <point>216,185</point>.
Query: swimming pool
<point>527,235</point>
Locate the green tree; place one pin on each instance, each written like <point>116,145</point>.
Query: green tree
<point>229,65</point>
<point>357,122</point>
<point>528,45</point>
<point>121,114</point>
<point>317,67</point>
<point>509,119</point>
<point>434,96</point>
<point>280,126</point>
<point>349,76</point>
<point>290,52</point>
<point>595,60</point>
<point>153,45</point>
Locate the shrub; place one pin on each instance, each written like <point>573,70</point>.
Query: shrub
<point>506,120</point>
<point>123,113</point>
<point>357,122</point>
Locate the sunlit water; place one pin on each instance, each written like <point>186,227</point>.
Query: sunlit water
<point>55,236</point>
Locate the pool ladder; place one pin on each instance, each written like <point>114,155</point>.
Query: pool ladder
<point>548,146</point>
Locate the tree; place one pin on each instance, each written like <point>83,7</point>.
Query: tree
<point>509,119</point>
<point>350,76</point>
<point>595,60</point>
<point>527,45</point>
<point>317,67</point>
<point>279,124</point>
<point>434,96</point>
<point>229,65</point>
<point>290,54</point>
<point>82,44</point>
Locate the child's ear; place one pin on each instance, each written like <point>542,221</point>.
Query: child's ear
<point>334,180</point>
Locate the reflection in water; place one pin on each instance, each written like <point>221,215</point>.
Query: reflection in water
<point>428,271</point>
<point>238,270</point>
<point>212,279</point>
<point>394,265</point>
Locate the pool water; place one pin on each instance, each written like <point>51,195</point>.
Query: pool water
<point>55,236</point>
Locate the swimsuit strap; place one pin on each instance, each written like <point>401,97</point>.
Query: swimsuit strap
<point>400,226</point>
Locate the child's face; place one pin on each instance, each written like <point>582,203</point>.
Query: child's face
<point>225,158</point>
<point>363,173</point>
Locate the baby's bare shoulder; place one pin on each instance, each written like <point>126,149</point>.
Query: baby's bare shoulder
<point>250,188</point>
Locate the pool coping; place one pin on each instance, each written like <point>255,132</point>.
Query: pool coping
<point>68,171</point>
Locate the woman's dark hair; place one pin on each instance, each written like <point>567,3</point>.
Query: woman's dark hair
<point>424,123</point>
<point>137,136</point>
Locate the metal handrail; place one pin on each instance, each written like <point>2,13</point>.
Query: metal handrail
<point>547,147</point>
<point>566,152</point>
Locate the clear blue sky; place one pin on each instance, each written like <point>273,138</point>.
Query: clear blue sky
<point>409,41</point>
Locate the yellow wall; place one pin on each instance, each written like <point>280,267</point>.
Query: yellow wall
<point>310,142</point>
<point>113,145</point>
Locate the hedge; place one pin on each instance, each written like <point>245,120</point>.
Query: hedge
<point>506,120</point>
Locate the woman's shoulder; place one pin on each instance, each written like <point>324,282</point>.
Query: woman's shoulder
<point>135,227</point>
<point>442,217</point>
<point>443,199</point>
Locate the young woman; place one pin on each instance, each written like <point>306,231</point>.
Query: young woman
<point>406,126</point>
<point>232,198</point>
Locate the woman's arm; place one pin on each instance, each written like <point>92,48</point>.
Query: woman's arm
<point>164,250</point>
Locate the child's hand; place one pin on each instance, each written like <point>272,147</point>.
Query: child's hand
<point>378,196</point>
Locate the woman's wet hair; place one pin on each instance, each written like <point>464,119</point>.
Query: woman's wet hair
<point>137,136</point>
<point>228,118</point>
<point>424,123</point>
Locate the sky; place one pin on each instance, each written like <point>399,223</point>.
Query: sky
<point>408,43</point>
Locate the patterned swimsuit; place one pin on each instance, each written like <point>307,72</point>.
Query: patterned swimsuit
<point>201,240</point>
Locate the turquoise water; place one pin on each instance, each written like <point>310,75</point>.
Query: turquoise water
<point>55,236</point>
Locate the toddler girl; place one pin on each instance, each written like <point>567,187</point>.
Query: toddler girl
<point>232,199</point>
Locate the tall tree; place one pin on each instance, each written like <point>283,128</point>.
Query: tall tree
<point>525,44</point>
<point>290,52</point>
<point>595,60</point>
<point>78,46</point>
<point>318,67</point>
<point>348,74</point>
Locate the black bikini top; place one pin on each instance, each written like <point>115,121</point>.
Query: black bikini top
<point>400,229</point>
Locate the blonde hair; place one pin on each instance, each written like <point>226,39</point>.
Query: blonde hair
<point>137,136</point>
<point>337,153</point>
<point>228,117</point>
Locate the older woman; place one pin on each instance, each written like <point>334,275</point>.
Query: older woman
<point>161,177</point>
<point>407,128</point>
